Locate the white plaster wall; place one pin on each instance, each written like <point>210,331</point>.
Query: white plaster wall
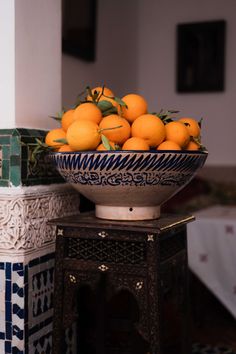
<point>7,59</point>
<point>38,62</point>
<point>116,48</point>
<point>156,74</point>
<point>136,50</point>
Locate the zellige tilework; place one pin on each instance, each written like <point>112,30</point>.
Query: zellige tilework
<point>16,168</point>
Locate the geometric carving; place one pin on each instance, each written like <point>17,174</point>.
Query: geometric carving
<point>25,212</point>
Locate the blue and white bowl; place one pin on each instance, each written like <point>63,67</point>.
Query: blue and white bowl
<point>128,185</point>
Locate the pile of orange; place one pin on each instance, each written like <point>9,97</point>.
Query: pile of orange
<point>102,121</point>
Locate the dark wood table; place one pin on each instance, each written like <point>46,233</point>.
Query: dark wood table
<point>122,284</point>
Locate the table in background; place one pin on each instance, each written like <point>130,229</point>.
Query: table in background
<point>212,252</point>
<point>124,285</point>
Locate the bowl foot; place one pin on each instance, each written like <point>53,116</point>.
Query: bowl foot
<point>127,213</point>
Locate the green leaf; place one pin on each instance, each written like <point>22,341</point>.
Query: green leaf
<point>106,143</point>
<point>58,119</point>
<point>59,115</point>
<point>104,105</point>
<point>41,143</point>
<point>120,102</point>
<point>200,122</point>
<point>112,110</point>
<point>63,141</point>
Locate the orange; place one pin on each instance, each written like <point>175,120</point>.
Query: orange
<point>168,145</point>
<point>135,143</point>
<point>136,106</point>
<point>88,111</point>
<point>192,145</point>
<point>192,126</point>
<point>67,119</point>
<point>83,135</point>
<point>109,99</point>
<point>53,135</point>
<point>98,90</point>
<point>177,131</point>
<point>150,128</point>
<point>101,147</point>
<point>120,131</point>
<point>65,148</point>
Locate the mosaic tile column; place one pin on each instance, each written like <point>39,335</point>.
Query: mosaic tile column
<point>29,195</point>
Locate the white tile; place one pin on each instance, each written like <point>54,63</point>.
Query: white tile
<point>2,346</point>
<point>2,279</point>
<point>2,312</point>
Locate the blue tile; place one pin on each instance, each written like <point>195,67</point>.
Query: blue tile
<point>18,311</point>
<point>8,311</point>
<point>2,265</point>
<point>17,290</point>
<point>8,270</point>
<point>8,330</point>
<point>8,290</point>
<point>19,333</point>
<point>7,347</point>
<point>15,350</point>
<point>2,335</point>
<point>17,266</point>
<point>20,273</point>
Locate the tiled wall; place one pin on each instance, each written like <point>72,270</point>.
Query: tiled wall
<point>30,194</point>
<point>26,317</point>
<point>16,168</point>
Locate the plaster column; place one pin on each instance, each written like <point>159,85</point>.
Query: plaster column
<point>30,91</point>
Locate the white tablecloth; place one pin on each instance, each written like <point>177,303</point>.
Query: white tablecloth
<point>212,252</point>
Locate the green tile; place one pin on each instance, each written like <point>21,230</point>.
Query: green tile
<point>6,152</point>
<point>5,169</point>
<point>15,145</point>
<point>4,183</point>
<point>6,131</point>
<point>15,132</point>
<point>15,175</point>
<point>4,140</point>
<point>15,160</point>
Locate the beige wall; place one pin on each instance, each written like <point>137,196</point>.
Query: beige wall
<point>116,53</point>
<point>136,50</point>
<point>156,74</point>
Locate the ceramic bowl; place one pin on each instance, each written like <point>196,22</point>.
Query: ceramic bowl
<point>128,185</point>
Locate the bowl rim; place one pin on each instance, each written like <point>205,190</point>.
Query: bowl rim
<point>180,152</point>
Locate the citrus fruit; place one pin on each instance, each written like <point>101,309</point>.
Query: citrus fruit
<point>192,126</point>
<point>135,143</point>
<point>88,111</point>
<point>192,145</point>
<point>168,145</point>
<point>115,128</point>
<point>67,119</point>
<point>150,128</point>
<point>101,147</point>
<point>53,135</point>
<point>83,135</point>
<point>65,148</point>
<point>136,106</point>
<point>177,131</point>
<point>101,92</point>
